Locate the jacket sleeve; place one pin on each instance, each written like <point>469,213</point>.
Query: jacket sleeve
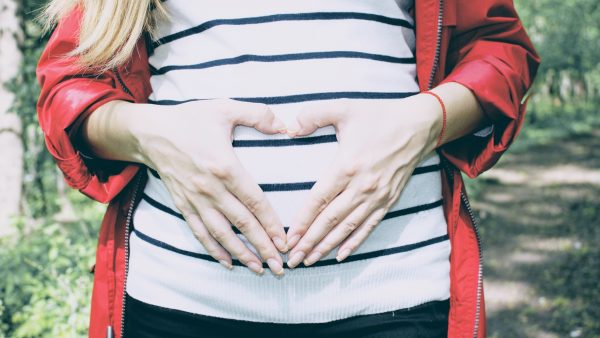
<point>490,53</point>
<point>68,95</point>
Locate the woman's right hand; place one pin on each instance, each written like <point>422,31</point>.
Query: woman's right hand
<point>189,145</point>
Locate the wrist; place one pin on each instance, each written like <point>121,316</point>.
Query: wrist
<point>463,112</point>
<point>442,117</point>
<point>430,114</point>
<point>110,131</point>
<point>138,127</point>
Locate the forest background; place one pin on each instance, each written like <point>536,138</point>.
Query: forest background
<point>537,208</point>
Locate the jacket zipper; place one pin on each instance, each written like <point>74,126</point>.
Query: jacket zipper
<point>438,45</point>
<point>463,196</point>
<point>471,214</point>
<point>127,231</point>
<point>116,71</point>
<point>109,329</point>
<point>480,250</point>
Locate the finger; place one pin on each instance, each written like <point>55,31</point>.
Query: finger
<point>256,115</point>
<point>329,218</point>
<point>220,229</point>
<point>358,236</point>
<point>241,218</point>
<point>242,186</point>
<point>342,231</point>
<point>315,115</point>
<point>184,205</point>
<point>321,194</point>
<point>210,244</point>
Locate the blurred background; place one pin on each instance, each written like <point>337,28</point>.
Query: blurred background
<point>538,208</point>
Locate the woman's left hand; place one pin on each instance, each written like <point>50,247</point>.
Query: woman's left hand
<point>380,144</point>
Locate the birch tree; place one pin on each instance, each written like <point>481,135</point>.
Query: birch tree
<point>11,146</point>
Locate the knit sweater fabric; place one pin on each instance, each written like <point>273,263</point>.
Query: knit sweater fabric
<point>286,54</point>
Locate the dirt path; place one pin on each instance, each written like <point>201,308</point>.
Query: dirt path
<point>540,220</point>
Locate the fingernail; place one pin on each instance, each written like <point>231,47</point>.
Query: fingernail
<point>226,264</point>
<point>280,244</point>
<point>342,255</point>
<point>313,257</point>
<point>256,267</point>
<point>275,266</point>
<point>293,241</point>
<point>296,259</point>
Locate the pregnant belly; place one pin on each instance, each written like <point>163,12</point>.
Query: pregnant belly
<point>407,253</point>
<point>286,168</point>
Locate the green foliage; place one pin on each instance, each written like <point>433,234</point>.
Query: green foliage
<point>566,93</point>
<point>46,283</point>
<point>566,33</point>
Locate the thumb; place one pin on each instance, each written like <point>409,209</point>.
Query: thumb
<point>314,116</point>
<point>257,115</point>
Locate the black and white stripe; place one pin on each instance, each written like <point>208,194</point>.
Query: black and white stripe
<point>288,54</point>
<point>281,17</point>
<point>324,262</point>
<point>296,186</point>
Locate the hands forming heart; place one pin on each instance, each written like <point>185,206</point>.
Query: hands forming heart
<point>380,144</point>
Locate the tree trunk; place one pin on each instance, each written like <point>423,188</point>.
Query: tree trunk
<point>11,145</point>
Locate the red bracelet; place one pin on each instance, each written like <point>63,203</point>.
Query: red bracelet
<point>439,142</point>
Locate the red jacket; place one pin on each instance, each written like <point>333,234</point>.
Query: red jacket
<point>480,44</point>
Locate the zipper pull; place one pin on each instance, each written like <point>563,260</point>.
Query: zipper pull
<point>109,332</point>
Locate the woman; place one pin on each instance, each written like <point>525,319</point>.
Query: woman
<point>269,138</point>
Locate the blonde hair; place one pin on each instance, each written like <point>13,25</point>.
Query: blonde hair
<point>109,29</point>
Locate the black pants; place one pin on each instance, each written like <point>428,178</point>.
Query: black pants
<point>147,320</point>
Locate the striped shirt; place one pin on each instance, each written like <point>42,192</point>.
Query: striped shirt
<point>285,54</point>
